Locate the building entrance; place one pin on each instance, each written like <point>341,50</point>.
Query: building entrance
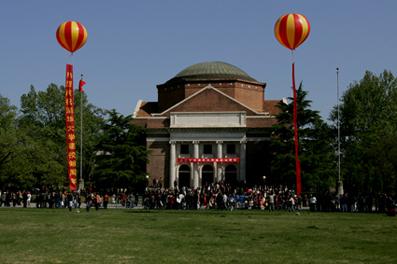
<point>231,175</point>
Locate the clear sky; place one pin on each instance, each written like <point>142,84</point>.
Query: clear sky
<point>134,45</point>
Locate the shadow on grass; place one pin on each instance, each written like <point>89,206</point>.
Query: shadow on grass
<point>141,211</point>
<point>214,212</point>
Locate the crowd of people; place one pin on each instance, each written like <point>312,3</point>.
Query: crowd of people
<point>224,196</point>
<point>213,196</point>
<point>14,198</point>
<point>64,199</point>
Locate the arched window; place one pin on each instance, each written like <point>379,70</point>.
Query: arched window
<point>184,176</point>
<point>207,175</point>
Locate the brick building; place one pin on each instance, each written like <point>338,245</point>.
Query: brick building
<point>211,123</point>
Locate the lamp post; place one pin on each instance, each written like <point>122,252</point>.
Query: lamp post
<point>340,183</point>
<point>81,180</point>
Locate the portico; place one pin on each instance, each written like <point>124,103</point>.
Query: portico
<point>204,162</point>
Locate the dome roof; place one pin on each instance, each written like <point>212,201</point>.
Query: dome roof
<point>213,70</point>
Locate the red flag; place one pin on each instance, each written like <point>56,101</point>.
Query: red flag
<point>81,84</point>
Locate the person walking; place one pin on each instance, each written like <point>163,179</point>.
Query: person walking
<point>313,203</point>
<point>70,201</point>
<point>97,201</point>
<point>105,201</point>
<point>3,198</point>
<point>88,201</point>
<point>271,201</point>
<point>29,199</point>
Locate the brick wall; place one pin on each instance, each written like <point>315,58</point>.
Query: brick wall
<point>169,96</point>
<point>261,122</point>
<point>158,167</point>
<point>251,95</point>
<point>210,101</point>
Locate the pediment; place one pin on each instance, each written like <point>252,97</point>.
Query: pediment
<point>209,99</point>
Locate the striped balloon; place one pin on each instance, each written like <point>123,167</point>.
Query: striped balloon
<point>71,35</point>
<point>291,30</point>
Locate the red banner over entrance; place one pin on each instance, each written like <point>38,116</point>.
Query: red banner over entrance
<point>207,160</point>
<point>70,134</point>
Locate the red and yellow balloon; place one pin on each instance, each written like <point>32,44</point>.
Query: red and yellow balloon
<point>71,35</point>
<point>291,30</point>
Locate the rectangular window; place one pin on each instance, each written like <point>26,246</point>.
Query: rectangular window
<point>184,148</point>
<point>207,149</point>
<point>231,149</point>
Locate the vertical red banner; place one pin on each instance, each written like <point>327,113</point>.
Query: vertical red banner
<point>70,133</point>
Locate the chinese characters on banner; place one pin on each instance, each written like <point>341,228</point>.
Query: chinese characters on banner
<point>206,160</point>
<point>70,134</point>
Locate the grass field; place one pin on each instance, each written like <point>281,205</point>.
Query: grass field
<point>137,236</point>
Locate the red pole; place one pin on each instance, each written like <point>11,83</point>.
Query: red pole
<point>296,137</point>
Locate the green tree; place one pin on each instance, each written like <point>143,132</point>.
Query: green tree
<point>315,147</point>
<point>368,121</point>
<point>19,153</point>
<point>121,154</point>
<point>42,124</point>
<point>8,137</point>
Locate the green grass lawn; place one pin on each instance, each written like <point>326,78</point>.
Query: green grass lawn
<point>137,236</point>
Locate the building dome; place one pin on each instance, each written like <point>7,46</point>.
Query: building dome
<point>213,70</point>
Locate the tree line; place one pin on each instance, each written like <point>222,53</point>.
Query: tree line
<point>368,140</point>
<point>32,140</point>
<point>33,150</point>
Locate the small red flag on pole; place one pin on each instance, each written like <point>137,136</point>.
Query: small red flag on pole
<point>81,84</point>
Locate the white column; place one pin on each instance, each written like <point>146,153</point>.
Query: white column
<point>242,160</point>
<point>219,155</point>
<point>192,182</point>
<point>195,165</point>
<point>172,163</point>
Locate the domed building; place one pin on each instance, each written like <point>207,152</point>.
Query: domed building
<point>211,123</point>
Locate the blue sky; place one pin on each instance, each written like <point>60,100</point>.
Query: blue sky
<point>134,45</point>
